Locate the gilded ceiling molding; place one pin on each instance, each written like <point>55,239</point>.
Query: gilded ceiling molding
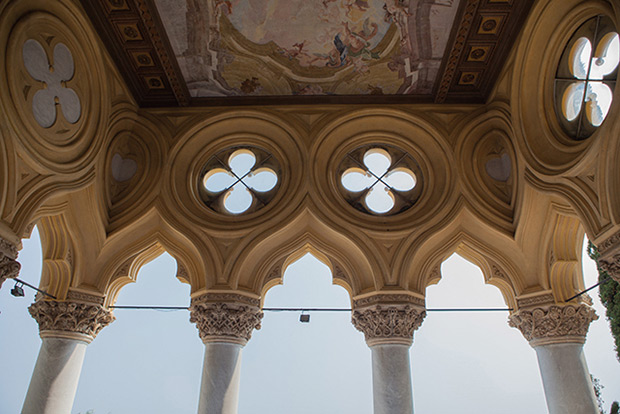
<point>81,318</point>
<point>9,266</point>
<point>388,318</point>
<point>225,317</point>
<point>553,324</point>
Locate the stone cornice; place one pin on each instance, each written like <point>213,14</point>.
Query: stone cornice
<point>76,320</point>
<point>231,319</point>
<point>388,318</point>
<point>554,324</point>
<point>9,266</point>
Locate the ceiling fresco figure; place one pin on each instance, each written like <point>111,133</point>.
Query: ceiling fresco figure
<point>295,47</point>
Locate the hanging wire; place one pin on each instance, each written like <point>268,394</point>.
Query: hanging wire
<point>605,280</point>
<point>139,307</point>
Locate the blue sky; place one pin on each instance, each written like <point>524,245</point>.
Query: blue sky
<point>151,361</point>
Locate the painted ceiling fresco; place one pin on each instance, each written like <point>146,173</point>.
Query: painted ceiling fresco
<point>308,47</point>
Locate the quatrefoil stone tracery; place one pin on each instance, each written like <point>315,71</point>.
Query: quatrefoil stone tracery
<point>589,67</point>
<point>378,180</point>
<point>586,77</point>
<point>54,78</point>
<point>239,179</point>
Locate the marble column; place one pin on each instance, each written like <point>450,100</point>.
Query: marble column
<point>609,259</point>
<point>388,323</point>
<point>9,266</point>
<point>557,334</point>
<point>225,323</point>
<point>66,328</point>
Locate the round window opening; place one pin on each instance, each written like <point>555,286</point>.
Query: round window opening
<point>239,180</point>
<point>380,180</point>
<point>586,77</point>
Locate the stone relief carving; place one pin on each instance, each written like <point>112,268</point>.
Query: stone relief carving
<point>83,319</point>
<point>544,299</point>
<point>611,265</point>
<point>225,321</point>
<point>554,324</point>
<point>389,298</point>
<point>9,266</point>
<point>55,77</point>
<point>608,244</point>
<point>388,324</point>
<point>85,297</point>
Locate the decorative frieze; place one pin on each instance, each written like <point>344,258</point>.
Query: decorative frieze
<point>388,298</point>
<point>9,266</point>
<point>388,323</point>
<point>77,320</point>
<point>225,317</point>
<point>554,324</point>
<point>609,244</point>
<point>538,300</point>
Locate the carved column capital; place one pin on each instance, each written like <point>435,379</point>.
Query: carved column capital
<point>388,319</point>
<point>225,317</point>
<point>609,259</point>
<point>9,266</point>
<point>553,324</point>
<point>74,320</point>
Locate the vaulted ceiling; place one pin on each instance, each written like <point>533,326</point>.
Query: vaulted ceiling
<point>254,52</point>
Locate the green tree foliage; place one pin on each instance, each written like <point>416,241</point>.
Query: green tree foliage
<point>609,292</point>
<point>615,408</point>
<point>598,391</point>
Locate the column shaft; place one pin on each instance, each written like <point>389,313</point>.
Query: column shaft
<point>566,379</point>
<point>221,375</point>
<point>55,377</point>
<point>391,379</point>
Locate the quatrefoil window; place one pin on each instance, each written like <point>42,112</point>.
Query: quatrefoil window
<point>54,77</point>
<point>380,180</point>
<point>240,180</point>
<point>586,77</point>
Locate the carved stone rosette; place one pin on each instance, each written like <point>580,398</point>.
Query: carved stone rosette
<point>385,320</point>
<point>74,320</point>
<point>554,324</point>
<point>9,266</point>
<point>225,317</point>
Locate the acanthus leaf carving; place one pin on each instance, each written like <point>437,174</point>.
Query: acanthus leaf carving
<point>9,266</point>
<point>73,319</point>
<point>221,318</point>
<point>553,324</point>
<point>388,318</point>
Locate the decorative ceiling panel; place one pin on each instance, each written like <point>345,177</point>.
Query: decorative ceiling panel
<point>231,52</point>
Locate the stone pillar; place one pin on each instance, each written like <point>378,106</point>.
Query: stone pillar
<point>609,259</point>
<point>225,322</point>
<point>388,322</point>
<point>557,334</point>
<point>66,328</point>
<point>9,266</point>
